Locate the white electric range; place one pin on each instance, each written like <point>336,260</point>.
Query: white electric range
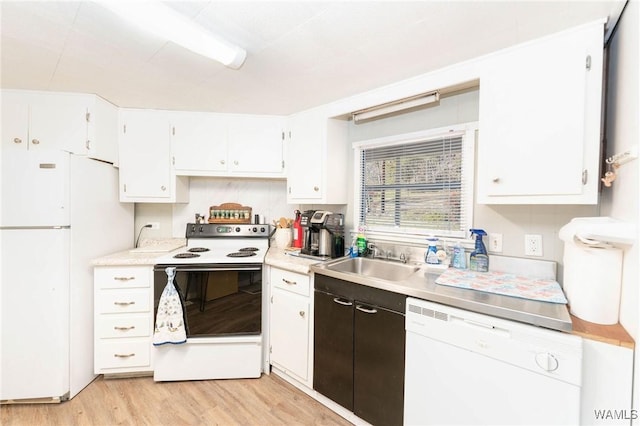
<point>219,278</point>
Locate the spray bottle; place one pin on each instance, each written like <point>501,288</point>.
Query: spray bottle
<point>479,260</point>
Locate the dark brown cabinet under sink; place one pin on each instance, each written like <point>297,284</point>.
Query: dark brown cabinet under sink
<point>359,343</point>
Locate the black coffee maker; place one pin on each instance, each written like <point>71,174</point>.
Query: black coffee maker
<point>323,234</point>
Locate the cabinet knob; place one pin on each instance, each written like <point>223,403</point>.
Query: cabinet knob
<point>235,162</point>
<point>164,188</point>
<point>495,180</point>
<point>88,145</point>
<point>17,140</point>
<point>315,188</point>
<point>35,142</point>
<point>302,314</point>
<point>222,161</point>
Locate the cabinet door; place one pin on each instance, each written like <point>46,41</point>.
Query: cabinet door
<point>333,348</point>
<point>15,121</point>
<point>378,366</point>
<point>198,142</point>
<point>609,384</point>
<point>305,157</point>
<point>256,144</point>
<point>289,327</point>
<point>145,169</point>
<point>102,139</point>
<point>540,121</point>
<point>59,121</point>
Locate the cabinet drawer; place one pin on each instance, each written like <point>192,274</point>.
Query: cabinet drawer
<point>122,277</point>
<point>291,281</point>
<point>123,353</point>
<point>114,326</point>
<point>123,301</point>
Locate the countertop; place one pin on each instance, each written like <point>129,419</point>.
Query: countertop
<point>280,259</point>
<point>422,285</point>
<point>146,254</point>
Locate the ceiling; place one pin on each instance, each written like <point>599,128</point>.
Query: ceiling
<point>300,54</point>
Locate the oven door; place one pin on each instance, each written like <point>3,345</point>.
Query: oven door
<point>218,299</point>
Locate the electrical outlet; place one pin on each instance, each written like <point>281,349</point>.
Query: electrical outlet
<point>495,243</point>
<point>533,245</point>
<point>154,225</point>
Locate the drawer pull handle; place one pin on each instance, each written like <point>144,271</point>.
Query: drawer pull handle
<point>124,278</point>
<point>124,303</point>
<point>124,355</point>
<point>131,327</point>
<point>289,282</point>
<point>17,140</point>
<point>302,314</point>
<point>366,310</point>
<point>342,302</point>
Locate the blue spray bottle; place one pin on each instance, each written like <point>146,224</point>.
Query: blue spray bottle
<point>479,259</point>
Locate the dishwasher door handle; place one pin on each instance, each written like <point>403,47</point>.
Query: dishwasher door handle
<point>482,326</point>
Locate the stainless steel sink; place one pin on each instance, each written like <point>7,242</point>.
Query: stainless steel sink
<point>373,268</point>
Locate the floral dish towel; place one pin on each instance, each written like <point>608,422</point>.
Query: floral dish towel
<point>170,323</point>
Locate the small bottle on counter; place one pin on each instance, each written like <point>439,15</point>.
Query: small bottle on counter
<point>361,241</point>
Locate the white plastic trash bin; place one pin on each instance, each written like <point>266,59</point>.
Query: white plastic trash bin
<point>592,276</point>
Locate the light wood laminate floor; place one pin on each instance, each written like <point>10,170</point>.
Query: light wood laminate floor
<point>140,401</point>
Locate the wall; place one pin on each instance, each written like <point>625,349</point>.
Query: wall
<point>265,196</point>
<point>621,201</point>
<point>513,222</point>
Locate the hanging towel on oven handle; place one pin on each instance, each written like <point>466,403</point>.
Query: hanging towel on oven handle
<point>170,320</point>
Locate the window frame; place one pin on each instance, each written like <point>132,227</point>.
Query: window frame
<point>468,132</point>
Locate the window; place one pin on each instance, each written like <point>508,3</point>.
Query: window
<point>418,184</point>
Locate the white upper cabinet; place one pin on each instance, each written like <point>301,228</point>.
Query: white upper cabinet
<point>102,134</point>
<point>540,113</point>
<point>145,159</point>
<point>317,155</point>
<point>256,145</point>
<point>227,145</point>
<point>41,120</point>
<point>199,143</point>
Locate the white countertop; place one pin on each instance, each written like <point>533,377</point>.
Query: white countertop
<point>278,258</point>
<point>146,254</point>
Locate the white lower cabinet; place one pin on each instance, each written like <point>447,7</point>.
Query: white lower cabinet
<point>607,384</point>
<point>289,324</point>
<point>123,322</point>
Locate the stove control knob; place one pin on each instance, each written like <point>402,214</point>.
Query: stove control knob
<point>255,229</point>
<point>201,228</point>
<point>262,229</point>
<point>238,229</point>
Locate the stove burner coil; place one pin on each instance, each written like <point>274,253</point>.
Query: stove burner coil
<point>185,255</point>
<point>249,249</point>
<point>241,254</point>
<point>198,249</point>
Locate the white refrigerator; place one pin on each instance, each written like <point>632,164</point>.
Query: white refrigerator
<point>58,212</point>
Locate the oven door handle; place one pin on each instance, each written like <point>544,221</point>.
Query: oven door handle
<point>209,268</point>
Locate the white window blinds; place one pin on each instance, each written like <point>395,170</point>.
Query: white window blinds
<point>421,187</point>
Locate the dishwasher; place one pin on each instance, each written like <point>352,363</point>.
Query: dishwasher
<point>467,368</point>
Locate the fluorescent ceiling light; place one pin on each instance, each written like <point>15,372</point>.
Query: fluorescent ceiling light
<point>164,22</point>
<point>395,106</point>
